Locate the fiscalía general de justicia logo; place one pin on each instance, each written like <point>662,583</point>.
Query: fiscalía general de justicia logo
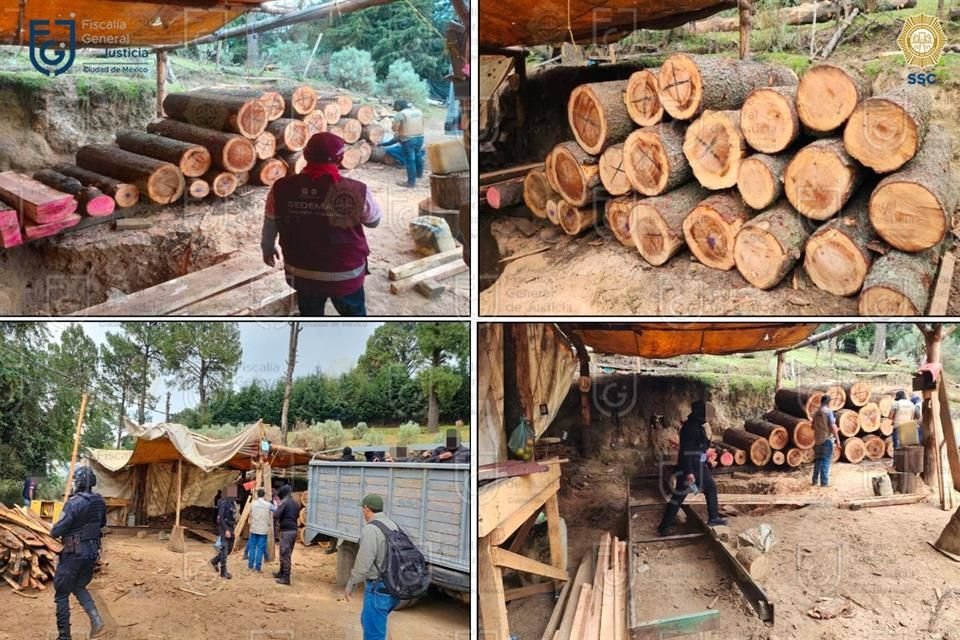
<point>52,46</point>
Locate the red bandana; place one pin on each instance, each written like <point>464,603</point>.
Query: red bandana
<point>317,170</point>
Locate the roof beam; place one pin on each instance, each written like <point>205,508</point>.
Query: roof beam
<point>838,330</point>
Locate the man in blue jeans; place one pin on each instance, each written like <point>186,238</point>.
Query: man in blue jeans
<point>826,435</point>
<point>377,602</point>
<point>261,524</point>
<point>407,147</point>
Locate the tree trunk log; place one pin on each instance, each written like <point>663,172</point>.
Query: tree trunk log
<point>888,441</point>
<point>853,450</point>
<point>613,176</point>
<point>344,102</point>
<point>273,102</point>
<point>192,159</point>
<point>828,94</point>
<point>366,149</point>
<point>822,178</point>
<point>289,133</point>
<point>222,183</point>
<point>779,458</point>
<point>776,435</point>
<point>868,417</point>
<point>657,224</point>
<point>899,284</point>
<point>803,403</point>
<point>711,229</point>
<point>911,209</point>
<point>654,159</point>
<point>243,178</point>
<point>858,394</point>
<point>268,171</point>
<point>619,211</point>
<point>598,115</point>
<point>537,192</point>
<point>769,118</point>
<point>198,188</point>
<point>757,448</point>
<point>160,181</point>
<point>365,113</point>
<point>352,158</point>
<point>228,151</point>
<point>690,84</point>
<point>245,116</point>
<point>576,174</point>
<point>265,145</point>
<point>769,245</point>
<point>574,220</point>
<point>887,130</point>
<point>760,179</point>
<point>35,200</point>
<point>838,397</point>
<point>316,123</point>
<point>642,99</point>
<point>372,133</point>
<point>848,422</point>
<point>330,109</point>
<point>452,191</point>
<point>886,426</point>
<point>755,562</point>
<point>875,447</point>
<point>123,193</point>
<point>885,404</point>
<point>800,430</point>
<point>91,200</point>
<point>301,100</point>
<point>294,160</point>
<point>795,457</point>
<point>352,129</point>
<point>714,147</point>
<point>724,458</point>
<point>838,257</point>
<point>739,455</point>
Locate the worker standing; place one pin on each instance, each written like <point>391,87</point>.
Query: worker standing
<point>693,470</point>
<point>80,527</point>
<point>287,514</point>
<point>407,147</point>
<point>226,521</point>
<point>29,491</point>
<point>320,217</point>
<point>372,554</point>
<point>826,435</point>
<point>261,522</point>
<point>903,411</point>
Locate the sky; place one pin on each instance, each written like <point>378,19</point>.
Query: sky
<point>333,347</point>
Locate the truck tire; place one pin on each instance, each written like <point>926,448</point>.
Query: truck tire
<point>346,555</point>
<point>538,548</point>
<point>463,597</point>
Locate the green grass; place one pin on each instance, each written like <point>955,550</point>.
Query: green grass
<point>799,63</point>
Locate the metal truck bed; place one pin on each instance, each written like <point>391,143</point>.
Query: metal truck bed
<point>430,502</point>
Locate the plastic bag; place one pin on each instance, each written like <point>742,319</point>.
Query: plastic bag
<point>218,544</point>
<point>521,441</point>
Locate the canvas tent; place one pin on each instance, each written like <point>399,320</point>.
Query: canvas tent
<point>208,465</point>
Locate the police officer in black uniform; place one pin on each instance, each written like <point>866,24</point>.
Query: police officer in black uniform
<point>80,528</point>
<point>226,521</point>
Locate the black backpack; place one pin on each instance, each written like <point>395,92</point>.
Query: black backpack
<point>405,573</point>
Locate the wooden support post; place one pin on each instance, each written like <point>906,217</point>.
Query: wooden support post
<point>493,606</point>
<point>161,80</point>
<point>745,10</point>
<point>949,434</point>
<point>76,445</point>
<point>179,489</point>
<point>558,555</point>
<point>176,542</point>
<point>267,488</point>
<point>780,367</point>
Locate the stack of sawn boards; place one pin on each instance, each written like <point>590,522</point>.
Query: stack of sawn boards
<point>212,141</point>
<point>754,169</point>
<point>28,555</point>
<point>594,605</point>
<point>784,436</point>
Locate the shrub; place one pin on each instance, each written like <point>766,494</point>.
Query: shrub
<point>408,433</point>
<point>352,69</point>
<point>332,432</point>
<point>403,82</point>
<point>374,437</point>
<point>360,431</point>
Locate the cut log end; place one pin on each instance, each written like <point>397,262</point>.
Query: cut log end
<point>794,457</point>
<point>265,145</point>
<point>574,179</point>
<point>537,192</point>
<point>587,119</point>
<point>266,172</point>
<point>222,184</point>
<point>853,450</point>
<point>618,214</point>
<point>758,187</point>
<point>198,188</point>
<point>874,446</point>
<point>768,246</point>
<point>869,417</point>
<point>651,235</point>
<point>881,135</point>
<point>613,175</point>
<point>848,422</point>
<point>680,86</point>
<point>779,458</point>
<point>826,97</point>
<point>908,215</point>
<point>711,229</point>
<point>714,147</point>
<point>573,220</point>
<point>642,98</point>
<point>239,154</point>
<point>820,179</point>
<point>834,263</point>
<point>769,120</point>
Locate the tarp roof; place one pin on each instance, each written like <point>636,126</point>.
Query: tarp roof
<point>507,23</point>
<point>123,23</point>
<point>169,442</point>
<point>665,340</point>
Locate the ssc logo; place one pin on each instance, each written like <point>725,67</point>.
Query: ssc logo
<point>921,40</point>
<point>49,55</point>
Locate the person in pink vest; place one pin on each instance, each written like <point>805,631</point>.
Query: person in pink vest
<point>319,216</point>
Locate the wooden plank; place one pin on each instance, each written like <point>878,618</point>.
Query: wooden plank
<point>567,624</point>
<point>679,536</point>
<point>531,590</point>
<point>949,435</point>
<point>418,266</point>
<point>507,469</point>
<point>498,500</point>
<point>38,202</point>
<point>241,523</point>
<point>436,273</point>
<point>596,601</point>
<point>622,589</point>
<point>558,555</point>
<point>493,606</point>
<point>133,224</point>
<point>430,289</point>
<point>581,614</point>
<point>517,518</point>
<point>941,290</point>
<point>172,295</point>
<point>554,622</point>
<point>510,560</point>
<point>887,501</point>
<point>685,624</point>
<point>269,295</point>
<point>500,175</point>
<point>607,613</point>
<point>202,534</point>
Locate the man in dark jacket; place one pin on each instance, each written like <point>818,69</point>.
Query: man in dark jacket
<point>80,527</point>
<point>347,455</point>
<point>693,469</point>
<point>226,521</point>
<point>287,514</point>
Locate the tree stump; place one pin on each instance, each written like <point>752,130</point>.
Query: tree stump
<point>451,191</point>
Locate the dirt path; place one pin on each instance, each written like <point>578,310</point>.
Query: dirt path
<point>138,594</point>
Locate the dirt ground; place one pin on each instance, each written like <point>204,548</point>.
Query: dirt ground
<point>80,269</point>
<point>138,592</point>
<point>877,560</point>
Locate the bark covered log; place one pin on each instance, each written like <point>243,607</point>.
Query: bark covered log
<point>91,200</point>
<point>757,448</point>
<point>775,434</point>
<point>598,115</point>
<point>576,175</point>
<point>228,151</point>
<point>899,284</point>
<point>838,255</point>
<point>822,178</point>
<point>316,122</point>
<point>294,160</point>
<point>160,181</point>
<point>301,100</point>
<point>769,245</point>
<point>858,394</point>
<point>289,133</point>
<point>537,192</point>
<point>364,113</point>
<point>887,130</point>
<point>619,212</point>
<point>852,450</point>
<point>769,118</point>
<point>613,175</point>
<point>268,171</point>
<point>576,220</point>
<point>222,183</point>
<point>239,114</point>
<point>452,191</point>
<point>802,403</point>
<point>123,193</point>
<point>656,224</point>
<point>372,133</point>
<point>192,159</point>
<point>799,429</point>
<point>654,160</point>
<point>828,94</point>
<point>330,109</point>
<point>351,128</point>
<point>710,230</point>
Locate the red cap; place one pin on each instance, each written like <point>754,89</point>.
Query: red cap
<point>324,147</point>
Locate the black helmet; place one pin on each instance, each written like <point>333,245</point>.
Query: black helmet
<point>400,104</point>
<point>84,479</point>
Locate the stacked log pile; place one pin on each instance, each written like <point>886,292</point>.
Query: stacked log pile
<point>28,555</point>
<point>211,141</point>
<point>784,436</point>
<point>812,173</point>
